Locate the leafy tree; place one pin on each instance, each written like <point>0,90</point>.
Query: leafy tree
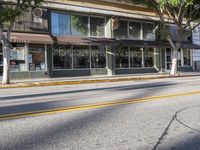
<point>80,23</point>
<point>9,11</point>
<point>184,14</point>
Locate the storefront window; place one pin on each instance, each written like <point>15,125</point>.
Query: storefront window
<point>186,57</point>
<point>80,25</point>
<point>62,57</point>
<point>17,59</point>
<point>121,32</point>
<point>179,58</point>
<point>148,33</point>
<point>148,57</point>
<point>98,56</point>
<point>36,57</point>
<point>135,30</point>
<point>135,57</point>
<point>97,27</point>
<point>122,57</point>
<point>60,24</point>
<point>81,56</point>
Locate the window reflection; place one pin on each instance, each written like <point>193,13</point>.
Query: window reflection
<point>135,57</point>
<point>148,57</point>
<point>98,56</point>
<point>121,32</point>
<point>17,60</point>
<point>97,27</point>
<point>122,57</point>
<point>60,24</point>
<point>62,57</point>
<point>36,57</point>
<point>135,30</point>
<point>186,57</point>
<point>79,25</point>
<point>148,31</point>
<point>81,57</point>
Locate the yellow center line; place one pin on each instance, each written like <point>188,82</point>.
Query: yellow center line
<point>96,105</point>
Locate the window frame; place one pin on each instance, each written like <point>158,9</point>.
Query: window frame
<point>72,68</point>
<point>78,14</point>
<point>141,30</point>
<point>143,64</point>
<point>45,56</point>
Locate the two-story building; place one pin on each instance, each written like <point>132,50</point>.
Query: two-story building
<point>86,37</point>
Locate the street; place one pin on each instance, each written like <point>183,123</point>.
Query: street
<point>161,114</point>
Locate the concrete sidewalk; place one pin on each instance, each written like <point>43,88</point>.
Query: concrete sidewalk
<point>91,79</point>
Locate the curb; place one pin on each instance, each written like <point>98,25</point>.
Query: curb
<point>88,81</point>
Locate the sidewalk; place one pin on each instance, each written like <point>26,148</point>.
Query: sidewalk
<point>91,79</point>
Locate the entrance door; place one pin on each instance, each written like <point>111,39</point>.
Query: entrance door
<point>168,59</point>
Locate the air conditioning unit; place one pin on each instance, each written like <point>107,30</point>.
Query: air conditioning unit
<point>37,15</point>
<point>37,12</point>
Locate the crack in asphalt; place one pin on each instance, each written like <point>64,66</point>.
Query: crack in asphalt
<point>161,138</point>
<point>174,118</point>
<point>184,124</point>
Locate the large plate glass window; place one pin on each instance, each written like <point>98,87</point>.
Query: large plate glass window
<point>179,58</point>
<point>36,57</point>
<point>148,32</point>
<point>98,56</point>
<point>186,57</point>
<point>122,57</point>
<point>17,59</point>
<point>121,32</point>
<point>62,57</point>
<point>135,57</point>
<point>80,25</point>
<point>60,24</point>
<point>148,57</point>
<point>97,27</point>
<point>135,30</point>
<point>81,56</point>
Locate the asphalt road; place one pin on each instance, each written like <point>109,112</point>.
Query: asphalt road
<point>159,114</point>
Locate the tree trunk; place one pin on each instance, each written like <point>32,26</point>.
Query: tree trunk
<point>174,62</point>
<point>6,64</point>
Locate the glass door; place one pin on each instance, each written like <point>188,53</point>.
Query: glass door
<point>168,59</point>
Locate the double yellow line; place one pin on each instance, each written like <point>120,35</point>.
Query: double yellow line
<point>93,106</point>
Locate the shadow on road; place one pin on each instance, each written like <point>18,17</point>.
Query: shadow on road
<point>62,102</point>
<point>66,130</point>
<point>116,88</point>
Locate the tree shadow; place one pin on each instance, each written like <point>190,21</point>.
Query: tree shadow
<point>62,102</point>
<point>192,143</point>
<point>116,88</point>
<point>66,129</point>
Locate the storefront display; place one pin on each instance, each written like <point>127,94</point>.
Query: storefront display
<point>36,57</point>
<point>17,58</point>
<point>62,57</point>
<point>98,56</point>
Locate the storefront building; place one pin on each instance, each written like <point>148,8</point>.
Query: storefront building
<point>70,38</point>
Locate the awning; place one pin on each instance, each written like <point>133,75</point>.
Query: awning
<point>29,37</point>
<point>156,44</point>
<point>140,43</point>
<point>76,40</point>
<point>190,46</point>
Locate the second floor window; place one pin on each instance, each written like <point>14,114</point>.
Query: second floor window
<point>135,30</point>
<point>60,24</point>
<point>78,25</point>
